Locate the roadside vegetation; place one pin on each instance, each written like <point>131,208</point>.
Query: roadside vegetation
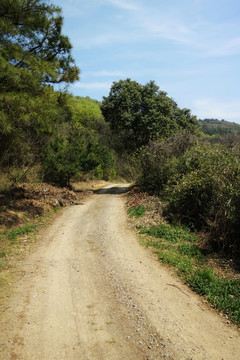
<point>16,242</point>
<point>199,182</point>
<point>52,131</point>
<point>178,248</point>
<point>211,274</point>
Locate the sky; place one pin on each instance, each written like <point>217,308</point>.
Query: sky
<point>190,48</point>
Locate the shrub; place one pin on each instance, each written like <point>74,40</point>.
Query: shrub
<point>66,156</point>
<point>103,157</point>
<point>62,160</point>
<point>200,184</point>
<point>127,166</point>
<point>207,194</point>
<point>160,161</point>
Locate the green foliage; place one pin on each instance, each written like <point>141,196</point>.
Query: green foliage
<point>206,193</point>
<point>86,111</point>
<point>219,127</point>
<point>190,250</point>
<point>31,122</point>
<point>21,230</point>
<point>138,113</point>
<point>182,253</point>
<point>98,172</point>
<point>76,146</point>
<point>63,159</point>
<point>33,48</point>
<point>200,184</point>
<point>170,233</point>
<point>127,166</point>
<point>160,161</point>
<point>69,154</point>
<point>2,254</point>
<point>33,54</point>
<point>223,294</point>
<point>137,211</point>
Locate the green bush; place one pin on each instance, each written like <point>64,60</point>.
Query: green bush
<point>200,184</point>
<point>192,199</point>
<point>65,156</point>
<point>207,194</point>
<point>160,161</point>
<point>127,166</point>
<point>63,159</point>
<point>103,157</point>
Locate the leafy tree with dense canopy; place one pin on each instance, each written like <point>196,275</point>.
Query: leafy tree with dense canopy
<point>73,150</point>
<point>138,113</point>
<point>33,46</point>
<point>33,55</point>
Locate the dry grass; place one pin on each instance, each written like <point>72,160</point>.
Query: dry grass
<point>153,205</point>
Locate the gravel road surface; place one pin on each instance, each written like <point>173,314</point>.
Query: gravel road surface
<point>91,292</point>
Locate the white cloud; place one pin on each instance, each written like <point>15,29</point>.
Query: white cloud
<point>116,37</point>
<point>226,48</point>
<point>93,86</point>
<point>142,23</point>
<point>76,10</point>
<point>155,21</point>
<point>211,108</point>
<point>108,73</point>
<point>104,39</point>
<point>172,30</point>
<point>123,4</point>
<point>146,23</point>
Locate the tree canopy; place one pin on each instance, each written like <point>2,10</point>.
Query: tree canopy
<point>33,49</point>
<point>39,125</point>
<point>138,113</point>
<point>34,54</point>
<point>77,145</point>
<point>219,127</point>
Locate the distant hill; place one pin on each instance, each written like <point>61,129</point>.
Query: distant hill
<point>219,127</point>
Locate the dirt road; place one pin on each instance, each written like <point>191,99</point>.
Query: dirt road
<point>91,292</point>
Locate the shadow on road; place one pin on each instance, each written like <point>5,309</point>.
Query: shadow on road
<point>113,190</point>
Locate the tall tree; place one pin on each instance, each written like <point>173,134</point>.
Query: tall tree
<point>137,113</point>
<point>31,41</point>
<point>33,55</point>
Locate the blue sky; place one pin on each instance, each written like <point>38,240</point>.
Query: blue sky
<point>190,48</point>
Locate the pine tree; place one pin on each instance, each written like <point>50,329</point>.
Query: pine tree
<point>34,55</point>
